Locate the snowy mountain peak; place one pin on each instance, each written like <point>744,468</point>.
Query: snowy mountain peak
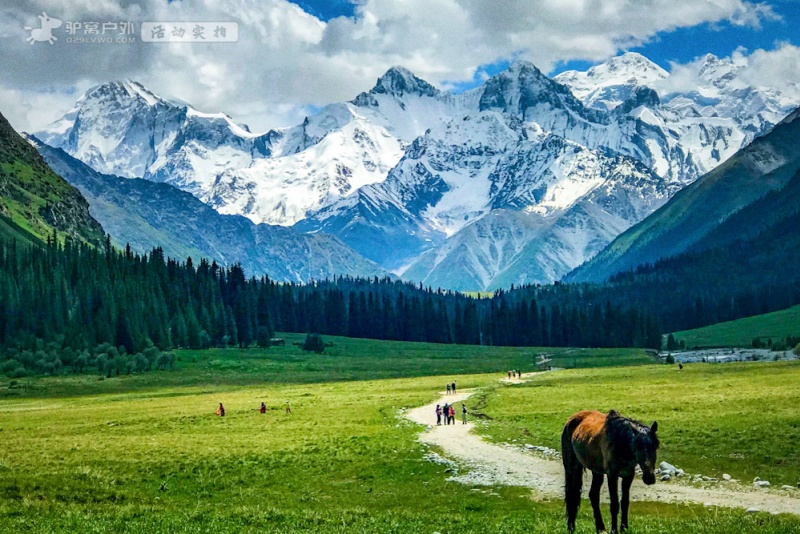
<point>710,61</point>
<point>135,89</point>
<point>631,63</point>
<point>123,128</point>
<point>525,91</point>
<point>521,66</point>
<point>607,85</point>
<point>400,81</point>
<point>123,92</point>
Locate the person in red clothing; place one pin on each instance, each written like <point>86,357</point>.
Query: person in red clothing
<point>452,413</point>
<point>263,408</point>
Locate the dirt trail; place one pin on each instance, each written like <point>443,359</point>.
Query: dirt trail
<point>491,464</point>
<point>525,377</point>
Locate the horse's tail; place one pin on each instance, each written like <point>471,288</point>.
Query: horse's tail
<point>573,472</point>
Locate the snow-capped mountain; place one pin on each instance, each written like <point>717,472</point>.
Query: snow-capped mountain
<point>343,151</point>
<point>145,215</point>
<point>510,203</point>
<point>722,93</point>
<point>277,177</point>
<point>710,123</point>
<point>607,85</point>
<point>334,153</point>
<point>743,199</point>
<point>519,180</point>
<point>124,129</point>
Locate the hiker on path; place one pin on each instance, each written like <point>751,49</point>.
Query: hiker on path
<point>464,413</point>
<point>448,389</point>
<point>438,415</point>
<point>509,375</point>
<point>452,414</point>
<point>453,387</point>
<point>288,408</point>
<point>263,408</point>
<point>221,410</point>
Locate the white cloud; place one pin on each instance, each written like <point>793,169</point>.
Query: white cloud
<point>287,59</point>
<point>777,69</point>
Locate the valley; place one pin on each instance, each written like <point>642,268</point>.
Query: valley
<point>536,211</point>
<point>148,453</point>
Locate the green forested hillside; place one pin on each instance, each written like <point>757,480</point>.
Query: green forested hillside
<point>775,326</point>
<point>11,230</point>
<point>766,165</point>
<point>37,201</point>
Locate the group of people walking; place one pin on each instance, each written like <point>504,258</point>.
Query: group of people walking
<point>448,412</point>
<point>514,374</point>
<point>451,388</point>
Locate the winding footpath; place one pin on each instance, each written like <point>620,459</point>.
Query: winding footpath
<point>490,464</point>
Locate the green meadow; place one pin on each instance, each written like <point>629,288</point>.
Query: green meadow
<point>737,418</point>
<point>346,359</point>
<point>741,333</point>
<point>145,453</point>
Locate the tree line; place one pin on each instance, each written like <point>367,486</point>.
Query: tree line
<point>72,307</point>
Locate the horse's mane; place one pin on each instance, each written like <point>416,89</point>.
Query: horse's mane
<point>625,428</point>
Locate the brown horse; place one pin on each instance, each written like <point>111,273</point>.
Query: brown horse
<point>606,445</point>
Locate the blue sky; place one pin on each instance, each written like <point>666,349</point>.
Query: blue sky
<point>681,45</point>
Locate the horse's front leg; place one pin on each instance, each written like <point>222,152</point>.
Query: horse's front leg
<point>613,492</point>
<point>594,498</point>
<point>626,500</point>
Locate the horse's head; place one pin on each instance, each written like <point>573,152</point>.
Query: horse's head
<point>646,445</point>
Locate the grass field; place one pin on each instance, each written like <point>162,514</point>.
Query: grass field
<point>91,456</point>
<point>740,333</point>
<point>740,419</point>
<point>347,359</point>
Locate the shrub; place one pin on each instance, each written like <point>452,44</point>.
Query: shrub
<point>20,372</point>
<point>314,343</point>
<point>670,358</point>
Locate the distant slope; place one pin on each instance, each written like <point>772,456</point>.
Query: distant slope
<point>746,277</point>
<point>147,214</point>
<point>11,230</point>
<point>696,212</point>
<point>35,201</point>
<point>740,333</point>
